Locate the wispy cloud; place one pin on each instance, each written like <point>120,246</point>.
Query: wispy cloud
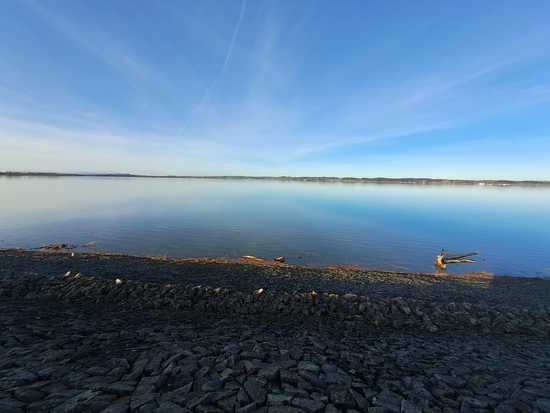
<point>233,38</point>
<point>98,43</point>
<point>229,53</point>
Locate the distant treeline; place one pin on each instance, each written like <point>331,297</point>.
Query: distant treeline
<point>380,180</point>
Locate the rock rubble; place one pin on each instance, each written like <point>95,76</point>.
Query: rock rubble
<point>403,314</point>
<point>75,358</point>
<point>215,343</point>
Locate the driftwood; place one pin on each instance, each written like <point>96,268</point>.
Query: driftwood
<point>254,258</point>
<point>64,246</point>
<point>57,247</point>
<point>445,258</point>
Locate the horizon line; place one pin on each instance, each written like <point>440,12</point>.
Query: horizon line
<point>349,179</point>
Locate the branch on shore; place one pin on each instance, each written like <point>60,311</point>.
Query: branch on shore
<point>445,258</point>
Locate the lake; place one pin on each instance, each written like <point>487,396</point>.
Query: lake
<point>390,227</point>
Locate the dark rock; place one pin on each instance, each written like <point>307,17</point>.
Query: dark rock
<point>283,409</point>
<point>308,366</point>
<point>310,406</point>
<point>169,407</point>
<point>269,373</point>
<point>388,400</point>
<point>232,349</point>
<point>228,404</point>
<point>121,405</point>
<point>197,400</point>
<point>331,409</point>
<point>8,405</point>
<point>139,400</point>
<point>278,399</point>
<point>543,405</point>
<point>249,408</point>
<point>28,395</point>
<point>409,407</point>
<point>121,388</point>
<point>78,403</point>
<point>360,400</point>
<point>341,398</point>
<point>255,390</point>
<point>212,385</point>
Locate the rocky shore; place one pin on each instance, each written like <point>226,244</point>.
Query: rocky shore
<point>111,333</point>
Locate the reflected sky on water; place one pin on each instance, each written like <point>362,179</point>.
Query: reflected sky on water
<point>392,227</point>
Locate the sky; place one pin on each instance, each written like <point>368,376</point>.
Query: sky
<point>361,88</point>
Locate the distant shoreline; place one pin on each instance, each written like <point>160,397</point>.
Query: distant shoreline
<point>322,179</point>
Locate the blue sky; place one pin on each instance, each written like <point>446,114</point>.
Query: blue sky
<point>351,88</point>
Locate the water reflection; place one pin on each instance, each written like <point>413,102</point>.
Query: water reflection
<point>393,227</point>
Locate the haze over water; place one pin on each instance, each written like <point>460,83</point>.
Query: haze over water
<point>391,227</point>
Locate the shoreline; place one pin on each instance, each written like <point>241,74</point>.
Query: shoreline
<point>311,179</point>
<point>258,261</point>
<point>249,274</point>
<point>114,333</point>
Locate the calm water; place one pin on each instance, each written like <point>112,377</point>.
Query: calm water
<point>394,227</point>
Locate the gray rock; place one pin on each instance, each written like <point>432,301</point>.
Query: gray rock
<point>226,374</point>
<point>388,400</point>
<point>543,405</point>
<point>506,407</point>
<point>249,408</point>
<point>139,400</point>
<point>179,395</point>
<point>9,405</point>
<point>100,402</point>
<point>121,388</point>
<point>232,349</point>
<point>98,371</point>
<point>283,409</point>
<point>270,373</point>
<point>169,407</point>
<point>409,407</point>
<point>341,398</point>
<point>310,406</point>
<point>256,391</point>
<point>242,397</point>
<point>137,370</point>
<point>147,385</point>
<point>453,381</point>
<point>212,385</point>
<point>28,395</point>
<point>308,366</point>
<point>331,409</point>
<point>288,376</point>
<point>121,405</point>
<point>22,377</point>
<point>361,402</point>
<point>78,403</point>
<point>474,402</point>
<point>197,400</point>
<point>278,399</point>
<point>294,391</point>
<point>208,409</point>
<point>149,407</point>
<point>228,404</point>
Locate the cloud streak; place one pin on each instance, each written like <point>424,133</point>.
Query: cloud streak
<point>104,47</point>
<point>233,39</point>
<point>228,54</point>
